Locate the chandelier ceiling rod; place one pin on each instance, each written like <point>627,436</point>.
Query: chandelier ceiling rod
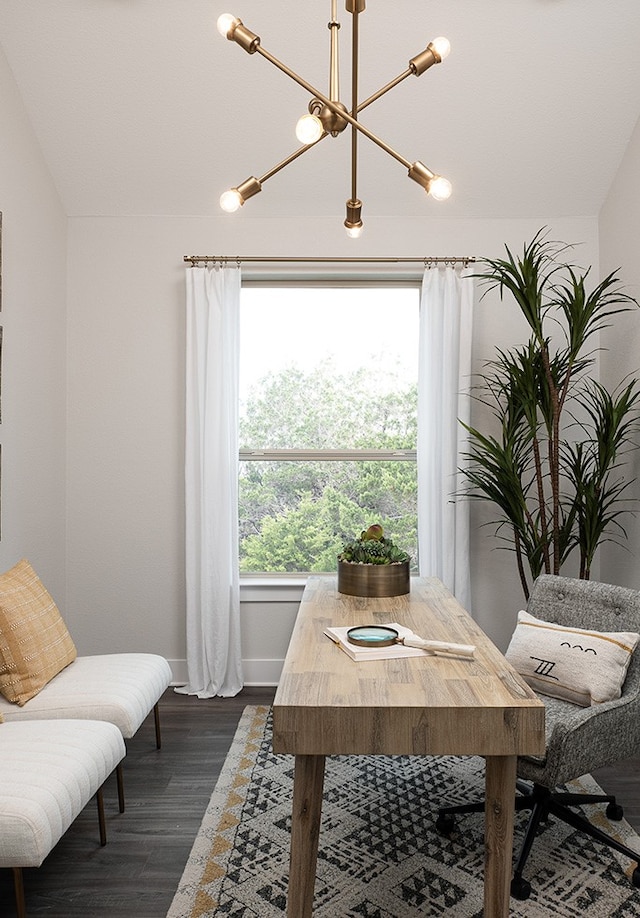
<point>327,115</point>
<point>353,221</point>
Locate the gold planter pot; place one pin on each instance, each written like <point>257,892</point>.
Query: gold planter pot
<point>373,579</point>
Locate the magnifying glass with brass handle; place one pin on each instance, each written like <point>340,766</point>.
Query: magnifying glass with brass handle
<point>383,636</point>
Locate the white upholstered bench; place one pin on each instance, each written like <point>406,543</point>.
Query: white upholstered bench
<point>49,770</point>
<point>121,688</point>
<point>43,678</point>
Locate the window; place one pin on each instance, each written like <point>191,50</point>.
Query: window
<point>328,421</point>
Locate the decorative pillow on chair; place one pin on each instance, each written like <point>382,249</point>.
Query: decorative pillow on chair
<point>584,667</point>
<point>34,642</point>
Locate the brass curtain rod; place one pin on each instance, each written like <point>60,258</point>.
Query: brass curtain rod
<point>238,259</point>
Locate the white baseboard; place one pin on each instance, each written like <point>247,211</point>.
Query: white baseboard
<point>179,672</point>
<point>262,672</point>
<point>256,672</point>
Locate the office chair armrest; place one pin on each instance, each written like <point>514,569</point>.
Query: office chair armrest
<point>589,738</point>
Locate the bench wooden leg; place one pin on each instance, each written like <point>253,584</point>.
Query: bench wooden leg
<point>156,717</point>
<point>101,819</point>
<point>18,885</point>
<point>120,781</point>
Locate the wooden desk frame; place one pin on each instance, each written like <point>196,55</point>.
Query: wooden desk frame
<point>326,704</point>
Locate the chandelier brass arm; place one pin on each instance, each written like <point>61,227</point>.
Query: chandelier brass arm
<point>328,115</point>
<point>336,107</point>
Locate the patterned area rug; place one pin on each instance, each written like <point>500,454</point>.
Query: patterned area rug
<point>380,856</point>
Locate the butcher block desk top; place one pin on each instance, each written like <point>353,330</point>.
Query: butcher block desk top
<point>327,704</point>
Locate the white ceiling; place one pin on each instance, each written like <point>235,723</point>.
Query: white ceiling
<point>142,108</point>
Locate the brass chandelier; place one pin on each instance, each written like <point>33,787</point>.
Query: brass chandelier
<point>327,115</point>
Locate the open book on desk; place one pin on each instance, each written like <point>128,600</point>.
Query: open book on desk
<point>392,652</point>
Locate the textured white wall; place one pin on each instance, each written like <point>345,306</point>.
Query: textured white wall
<point>32,432</point>
<point>126,415</point>
<point>620,246</point>
<point>92,387</point>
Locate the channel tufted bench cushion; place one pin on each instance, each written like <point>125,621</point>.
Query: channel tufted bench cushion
<point>49,770</point>
<point>121,688</point>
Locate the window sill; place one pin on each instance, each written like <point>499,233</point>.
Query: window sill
<point>272,588</point>
<point>252,580</point>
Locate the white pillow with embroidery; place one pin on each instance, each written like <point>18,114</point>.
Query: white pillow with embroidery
<point>584,667</point>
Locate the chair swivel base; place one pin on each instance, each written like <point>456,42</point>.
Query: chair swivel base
<point>542,802</point>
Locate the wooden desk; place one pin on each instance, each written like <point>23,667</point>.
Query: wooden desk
<point>326,704</point>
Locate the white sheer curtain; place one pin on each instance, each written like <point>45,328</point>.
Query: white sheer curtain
<point>446,316</point>
<point>211,475</point>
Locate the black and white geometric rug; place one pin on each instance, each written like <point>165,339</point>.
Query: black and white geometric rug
<point>380,855</point>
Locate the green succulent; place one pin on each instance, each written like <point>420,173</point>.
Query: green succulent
<point>372,548</point>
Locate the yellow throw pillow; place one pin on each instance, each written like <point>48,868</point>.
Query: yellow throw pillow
<point>34,642</point>
<point>585,667</point>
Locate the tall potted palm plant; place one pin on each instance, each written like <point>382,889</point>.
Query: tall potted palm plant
<point>552,466</point>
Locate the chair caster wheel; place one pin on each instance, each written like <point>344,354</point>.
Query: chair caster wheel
<point>615,812</point>
<point>520,888</point>
<point>445,825</point>
<point>635,876</point>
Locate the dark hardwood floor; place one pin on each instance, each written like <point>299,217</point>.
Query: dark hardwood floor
<point>167,791</point>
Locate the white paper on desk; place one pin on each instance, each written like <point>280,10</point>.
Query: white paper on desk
<point>392,652</point>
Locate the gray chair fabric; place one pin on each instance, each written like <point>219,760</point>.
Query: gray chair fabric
<point>578,740</point>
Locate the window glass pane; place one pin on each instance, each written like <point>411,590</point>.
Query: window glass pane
<point>294,516</point>
<point>328,368</point>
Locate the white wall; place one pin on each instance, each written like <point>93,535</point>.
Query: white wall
<point>620,246</point>
<point>126,415</point>
<point>108,539</point>
<point>32,432</point>
<point>114,324</point>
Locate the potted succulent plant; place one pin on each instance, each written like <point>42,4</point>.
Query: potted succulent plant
<point>372,565</point>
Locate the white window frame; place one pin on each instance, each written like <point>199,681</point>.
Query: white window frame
<point>350,279</point>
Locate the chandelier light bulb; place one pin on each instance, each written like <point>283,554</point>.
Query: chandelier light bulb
<point>442,47</point>
<point>309,129</point>
<point>231,200</point>
<point>353,223</point>
<point>440,188</point>
<point>225,24</point>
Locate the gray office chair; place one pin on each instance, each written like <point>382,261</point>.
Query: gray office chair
<point>578,739</point>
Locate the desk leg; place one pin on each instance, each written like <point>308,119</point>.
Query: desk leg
<point>305,831</point>
<point>498,839</point>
